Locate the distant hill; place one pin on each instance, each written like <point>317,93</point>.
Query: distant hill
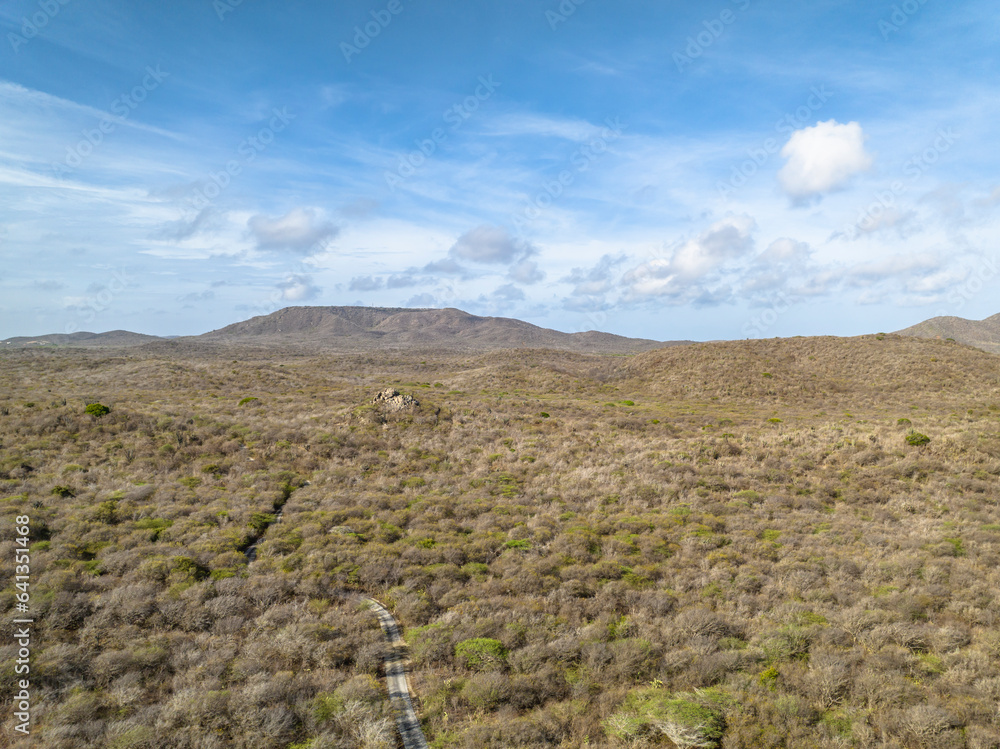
<point>983,334</point>
<point>826,370</point>
<point>362,328</point>
<point>399,328</point>
<point>111,339</point>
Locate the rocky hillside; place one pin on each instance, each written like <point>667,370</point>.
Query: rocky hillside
<point>983,334</point>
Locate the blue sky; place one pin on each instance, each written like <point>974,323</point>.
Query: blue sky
<point>725,169</point>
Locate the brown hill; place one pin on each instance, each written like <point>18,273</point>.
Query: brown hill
<point>866,370</point>
<point>111,339</point>
<point>357,328</point>
<point>983,334</point>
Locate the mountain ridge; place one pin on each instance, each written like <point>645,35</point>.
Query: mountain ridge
<point>363,328</point>
<point>982,334</point>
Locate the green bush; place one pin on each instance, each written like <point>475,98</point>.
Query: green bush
<point>917,439</point>
<point>688,720</point>
<point>248,399</point>
<point>188,567</point>
<point>107,512</point>
<point>63,491</point>
<point>481,654</point>
<point>260,520</point>
<point>97,410</point>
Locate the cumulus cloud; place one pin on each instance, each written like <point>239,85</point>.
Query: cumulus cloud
<point>424,301</point>
<point>448,266</point>
<point>509,293</point>
<point>526,272</point>
<point>823,158</point>
<point>365,283</point>
<point>300,230</point>
<point>401,281</point>
<point>682,277</point>
<point>785,251</point>
<point>298,288</point>
<point>593,283</point>
<point>490,245</point>
<point>890,218</point>
<point>784,259</point>
<point>904,268</point>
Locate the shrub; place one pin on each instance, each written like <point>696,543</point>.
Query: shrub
<point>904,422</point>
<point>188,567</point>
<point>481,654</point>
<point>63,491</point>
<point>97,410</point>
<point>518,544</point>
<point>107,512</point>
<point>248,399</point>
<point>688,720</point>
<point>917,439</point>
<point>260,520</point>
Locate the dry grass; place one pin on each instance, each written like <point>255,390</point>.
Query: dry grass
<point>743,518</point>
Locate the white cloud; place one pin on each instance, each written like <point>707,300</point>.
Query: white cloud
<point>683,277</point>
<point>509,293</point>
<point>298,288</point>
<point>448,266</point>
<point>526,124</point>
<point>595,283</point>
<point>823,158</point>
<point>526,272</point>
<point>785,251</point>
<point>490,245</point>
<point>401,281</point>
<point>299,230</point>
<point>365,283</point>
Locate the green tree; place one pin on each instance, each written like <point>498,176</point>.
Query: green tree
<point>97,410</point>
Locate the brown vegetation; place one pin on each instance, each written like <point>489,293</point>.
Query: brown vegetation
<point>724,544</point>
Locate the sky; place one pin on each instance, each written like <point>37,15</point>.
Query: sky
<point>720,169</point>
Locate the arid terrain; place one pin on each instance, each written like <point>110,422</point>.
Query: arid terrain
<point>784,543</point>
<point>984,334</point>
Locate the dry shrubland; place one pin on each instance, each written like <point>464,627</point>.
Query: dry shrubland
<point>728,545</point>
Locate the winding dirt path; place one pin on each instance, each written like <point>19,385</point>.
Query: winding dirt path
<point>395,679</point>
<point>395,666</point>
